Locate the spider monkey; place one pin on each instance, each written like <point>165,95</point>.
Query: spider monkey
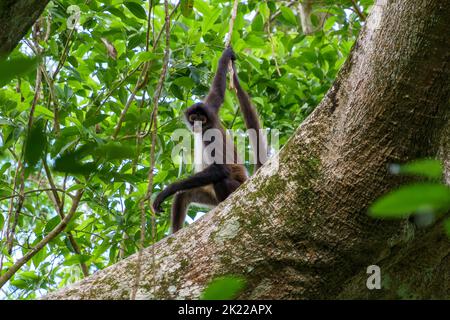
<point>216,181</point>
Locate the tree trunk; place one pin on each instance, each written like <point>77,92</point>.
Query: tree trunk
<point>16,18</point>
<point>302,231</point>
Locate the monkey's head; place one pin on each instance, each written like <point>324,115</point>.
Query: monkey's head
<point>200,112</point>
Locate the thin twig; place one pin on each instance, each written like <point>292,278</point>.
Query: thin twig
<point>59,204</point>
<point>65,53</point>
<point>130,101</point>
<point>231,25</point>
<point>272,45</point>
<point>33,191</point>
<point>138,137</point>
<point>152,157</point>
<point>52,96</point>
<point>19,205</point>
<point>228,39</point>
<point>236,112</point>
<point>155,46</point>
<point>147,35</point>
<point>358,11</point>
<point>11,205</point>
<point>53,234</point>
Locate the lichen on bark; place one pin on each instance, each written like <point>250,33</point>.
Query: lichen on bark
<point>302,231</point>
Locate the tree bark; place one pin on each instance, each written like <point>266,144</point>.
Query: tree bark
<point>305,10</point>
<point>301,231</point>
<point>16,18</point>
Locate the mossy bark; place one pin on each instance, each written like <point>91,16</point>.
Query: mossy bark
<point>300,230</point>
<point>16,18</point>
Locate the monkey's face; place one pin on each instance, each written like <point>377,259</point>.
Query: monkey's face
<point>197,117</point>
<point>198,112</point>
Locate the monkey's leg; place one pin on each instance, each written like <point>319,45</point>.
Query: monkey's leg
<point>179,208</point>
<point>183,199</point>
<point>210,175</point>
<point>225,187</point>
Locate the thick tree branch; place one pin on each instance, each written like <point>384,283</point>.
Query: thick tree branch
<point>305,10</point>
<point>301,230</point>
<point>25,13</point>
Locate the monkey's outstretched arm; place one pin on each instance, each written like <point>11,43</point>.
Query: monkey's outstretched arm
<point>216,94</point>
<point>210,175</point>
<point>251,121</point>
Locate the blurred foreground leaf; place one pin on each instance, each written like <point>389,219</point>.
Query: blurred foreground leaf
<point>35,144</point>
<point>429,168</point>
<point>224,288</point>
<point>15,67</point>
<point>447,227</point>
<point>415,198</point>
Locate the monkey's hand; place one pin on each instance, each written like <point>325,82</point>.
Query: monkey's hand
<point>157,203</point>
<point>228,54</point>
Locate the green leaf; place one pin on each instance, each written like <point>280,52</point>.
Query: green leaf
<point>113,150</point>
<point>39,257</point>
<point>52,223</point>
<point>224,288</point>
<point>40,110</point>
<point>15,67</point>
<point>210,19</point>
<point>100,249</point>
<point>142,57</point>
<point>5,167</point>
<point>70,161</point>
<point>318,73</point>
<point>94,120</point>
<point>2,221</point>
<point>19,283</point>
<point>202,7</point>
<point>447,227</point>
<point>116,12</point>
<point>288,15</point>
<point>136,9</point>
<point>415,198</point>
<point>429,168</point>
<point>187,7</point>
<point>314,20</point>
<point>255,41</point>
<point>310,55</point>
<point>184,82</point>
<point>135,40</point>
<point>160,177</point>
<point>28,275</point>
<point>35,144</point>
<point>176,91</point>
<point>76,187</point>
<point>75,259</point>
<point>329,23</point>
<point>5,193</point>
<point>264,10</point>
<point>255,63</point>
<point>258,23</point>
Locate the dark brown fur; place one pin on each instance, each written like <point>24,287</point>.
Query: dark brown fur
<point>216,182</point>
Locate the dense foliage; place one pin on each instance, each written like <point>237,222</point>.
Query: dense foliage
<point>65,137</point>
